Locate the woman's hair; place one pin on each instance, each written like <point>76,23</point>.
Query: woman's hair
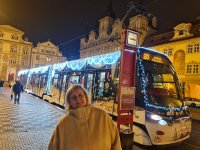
<point>71,90</point>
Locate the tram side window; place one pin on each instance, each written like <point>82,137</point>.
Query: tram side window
<point>55,80</point>
<point>101,84</point>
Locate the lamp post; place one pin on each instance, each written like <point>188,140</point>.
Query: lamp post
<point>9,70</point>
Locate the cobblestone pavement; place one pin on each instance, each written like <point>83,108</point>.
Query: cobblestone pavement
<point>28,125</point>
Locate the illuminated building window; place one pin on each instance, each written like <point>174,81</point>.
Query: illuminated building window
<point>193,69</point>
<point>168,51</point>
<point>48,58</point>
<point>14,37</point>
<point>13,49</point>
<point>13,61</point>
<point>190,48</point>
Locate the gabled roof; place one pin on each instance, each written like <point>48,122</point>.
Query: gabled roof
<point>159,38</point>
<point>47,43</point>
<point>8,27</point>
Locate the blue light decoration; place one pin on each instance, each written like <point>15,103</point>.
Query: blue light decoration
<point>22,72</point>
<point>59,66</point>
<point>105,59</point>
<point>49,78</point>
<point>76,64</point>
<point>144,85</point>
<point>42,69</point>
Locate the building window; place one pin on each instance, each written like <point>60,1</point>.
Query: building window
<point>25,51</point>
<point>196,48</point>
<point>13,61</point>
<point>24,63</point>
<point>168,51</point>
<point>13,49</point>
<point>190,48</point>
<point>1,47</point>
<point>180,32</point>
<point>193,69</point>
<point>143,26</point>
<point>1,34</point>
<point>42,51</point>
<point>189,69</point>
<point>193,48</point>
<point>48,51</point>
<point>53,52</point>
<point>14,37</point>
<point>37,57</point>
<point>48,58</point>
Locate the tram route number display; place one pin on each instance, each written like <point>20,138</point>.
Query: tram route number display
<point>127,98</point>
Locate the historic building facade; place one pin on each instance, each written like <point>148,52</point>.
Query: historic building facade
<point>109,33</point>
<point>182,45</point>
<point>14,52</point>
<point>46,53</point>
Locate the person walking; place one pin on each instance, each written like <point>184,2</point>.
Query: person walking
<point>11,89</point>
<point>84,127</point>
<point>17,89</point>
<point>1,85</point>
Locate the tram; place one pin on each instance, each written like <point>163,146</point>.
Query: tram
<point>160,116</point>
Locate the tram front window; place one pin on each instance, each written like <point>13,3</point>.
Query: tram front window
<point>161,84</point>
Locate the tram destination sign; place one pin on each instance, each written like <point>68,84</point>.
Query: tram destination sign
<point>127,98</point>
<point>154,58</point>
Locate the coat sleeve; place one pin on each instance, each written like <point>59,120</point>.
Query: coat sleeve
<point>115,139</point>
<point>54,143</point>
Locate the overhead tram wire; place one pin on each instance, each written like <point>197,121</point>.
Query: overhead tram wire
<point>132,5</point>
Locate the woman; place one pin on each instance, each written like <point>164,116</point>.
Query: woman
<point>11,89</point>
<point>84,127</point>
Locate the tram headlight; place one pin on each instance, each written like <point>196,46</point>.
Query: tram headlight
<point>162,122</point>
<point>156,117</point>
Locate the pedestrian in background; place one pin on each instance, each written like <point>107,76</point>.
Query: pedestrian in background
<point>11,89</point>
<point>84,127</point>
<point>17,89</point>
<point>1,85</point>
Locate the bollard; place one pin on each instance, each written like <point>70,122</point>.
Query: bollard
<point>126,137</point>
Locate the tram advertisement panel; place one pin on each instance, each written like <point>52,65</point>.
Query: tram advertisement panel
<point>127,98</point>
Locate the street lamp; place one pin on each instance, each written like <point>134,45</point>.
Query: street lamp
<point>9,70</point>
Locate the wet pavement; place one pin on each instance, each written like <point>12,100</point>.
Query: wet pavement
<point>28,125</point>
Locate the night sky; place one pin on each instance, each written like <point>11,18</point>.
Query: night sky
<point>61,21</point>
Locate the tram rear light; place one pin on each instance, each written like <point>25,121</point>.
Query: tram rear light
<point>158,132</point>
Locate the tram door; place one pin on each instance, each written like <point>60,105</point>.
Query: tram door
<point>42,85</point>
<point>63,89</point>
<point>104,79</point>
<point>89,86</point>
<point>35,84</point>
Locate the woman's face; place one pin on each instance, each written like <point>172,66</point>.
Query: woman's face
<point>77,99</point>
